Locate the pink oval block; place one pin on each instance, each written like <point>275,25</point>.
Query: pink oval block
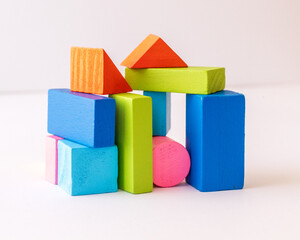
<point>171,162</point>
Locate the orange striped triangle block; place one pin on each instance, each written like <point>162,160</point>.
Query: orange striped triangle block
<point>92,71</point>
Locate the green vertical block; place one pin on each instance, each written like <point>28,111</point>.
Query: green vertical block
<point>134,141</point>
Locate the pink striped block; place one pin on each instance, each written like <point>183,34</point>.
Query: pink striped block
<point>51,158</point>
<point>171,162</point>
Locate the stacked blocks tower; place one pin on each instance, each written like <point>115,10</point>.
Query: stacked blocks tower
<point>86,157</point>
<point>99,143</point>
<point>214,118</point>
<point>171,161</point>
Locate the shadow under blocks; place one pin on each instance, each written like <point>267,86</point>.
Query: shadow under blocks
<point>215,132</point>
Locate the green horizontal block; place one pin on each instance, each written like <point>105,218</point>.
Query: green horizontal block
<point>134,141</point>
<point>194,80</point>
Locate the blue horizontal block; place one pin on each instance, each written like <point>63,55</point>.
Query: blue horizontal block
<point>215,132</point>
<point>83,170</point>
<point>161,112</point>
<point>84,118</point>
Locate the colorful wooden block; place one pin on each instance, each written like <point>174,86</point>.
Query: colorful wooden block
<point>83,170</point>
<point>92,71</point>
<point>84,118</point>
<point>51,158</point>
<point>134,141</point>
<point>215,129</point>
<point>171,162</point>
<point>153,52</point>
<point>196,80</point>
<point>161,112</point>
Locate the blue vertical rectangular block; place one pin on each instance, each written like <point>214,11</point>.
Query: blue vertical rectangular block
<point>83,170</point>
<point>84,118</point>
<point>215,132</point>
<point>161,112</point>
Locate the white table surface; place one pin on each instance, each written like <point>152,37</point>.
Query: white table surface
<point>267,208</point>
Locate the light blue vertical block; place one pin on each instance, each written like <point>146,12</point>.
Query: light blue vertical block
<point>161,112</point>
<point>83,170</point>
<point>215,132</point>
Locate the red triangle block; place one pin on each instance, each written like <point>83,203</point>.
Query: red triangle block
<point>153,52</point>
<point>92,71</point>
<point>113,82</point>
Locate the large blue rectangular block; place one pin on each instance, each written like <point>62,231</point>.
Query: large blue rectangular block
<point>161,112</point>
<point>84,118</point>
<point>215,132</point>
<point>83,170</point>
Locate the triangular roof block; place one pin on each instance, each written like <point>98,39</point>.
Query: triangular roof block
<point>153,52</point>
<point>92,71</point>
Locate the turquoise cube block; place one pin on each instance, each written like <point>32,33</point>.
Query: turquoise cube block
<point>83,170</point>
<point>161,112</point>
<point>215,133</point>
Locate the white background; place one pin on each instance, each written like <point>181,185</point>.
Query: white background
<point>258,44</point>
<point>257,41</point>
